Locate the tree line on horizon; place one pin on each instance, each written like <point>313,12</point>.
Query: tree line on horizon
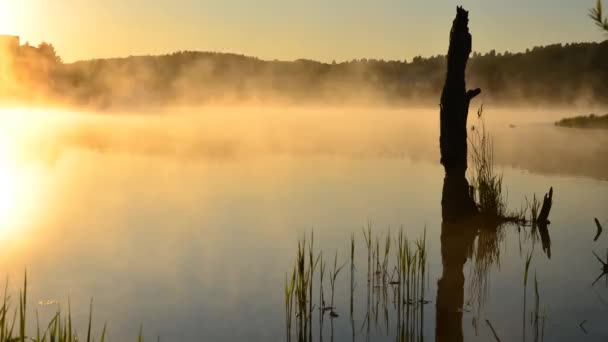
<point>554,74</point>
<point>558,74</point>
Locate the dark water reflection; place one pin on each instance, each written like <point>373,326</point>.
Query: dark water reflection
<point>456,246</point>
<point>483,290</point>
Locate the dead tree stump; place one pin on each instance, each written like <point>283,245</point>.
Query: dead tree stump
<point>455,100</point>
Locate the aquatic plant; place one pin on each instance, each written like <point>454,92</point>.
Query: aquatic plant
<point>332,281</point>
<point>352,274</point>
<point>58,329</point>
<point>534,207</point>
<point>526,272</point>
<point>289,295</point>
<point>367,235</point>
<point>493,213</point>
<point>487,184</point>
<point>407,280</point>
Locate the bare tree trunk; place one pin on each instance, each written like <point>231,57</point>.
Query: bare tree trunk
<point>455,99</point>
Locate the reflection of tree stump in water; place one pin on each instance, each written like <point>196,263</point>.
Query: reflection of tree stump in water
<point>459,209</point>
<point>545,238</point>
<point>456,243</point>
<point>457,199</point>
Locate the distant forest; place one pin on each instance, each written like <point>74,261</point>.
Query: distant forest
<point>591,121</point>
<point>555,74</point>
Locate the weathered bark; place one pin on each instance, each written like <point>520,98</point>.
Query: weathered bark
<point>457,201</point>
<point>455,99</point>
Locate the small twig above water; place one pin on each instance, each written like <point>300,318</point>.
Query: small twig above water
<point>543,217</point>
<point>599,229</point>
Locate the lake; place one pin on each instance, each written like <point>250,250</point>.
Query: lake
<point>187,221</point>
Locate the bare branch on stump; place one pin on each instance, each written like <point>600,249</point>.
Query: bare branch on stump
<point>543,222</point>
<point>543,217</point>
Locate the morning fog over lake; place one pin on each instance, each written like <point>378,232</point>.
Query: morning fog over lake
<point>214,196</point>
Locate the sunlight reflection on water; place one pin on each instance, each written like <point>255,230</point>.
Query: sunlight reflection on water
<point>162,229</point>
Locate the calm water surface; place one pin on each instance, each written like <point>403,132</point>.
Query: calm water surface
<point>193,238</point>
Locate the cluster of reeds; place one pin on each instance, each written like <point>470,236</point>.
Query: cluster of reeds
<point>532,209</point>
<point>377,259</point>
<point>378,278</point>
<point>399,275</point>
<point>7,324</point>
<point>58,329</point>
<point>410,286</point>
<point>299,291</point>
<point>489,194</point>
<point>487,183</point>
<point>491,199</point>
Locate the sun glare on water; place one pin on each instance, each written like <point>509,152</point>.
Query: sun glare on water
<point>17,182</point>
<point>9,189</point>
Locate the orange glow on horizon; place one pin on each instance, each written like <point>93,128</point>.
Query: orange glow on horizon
<point>8,18</point>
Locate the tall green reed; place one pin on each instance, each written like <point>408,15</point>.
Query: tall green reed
<point>58,329</point>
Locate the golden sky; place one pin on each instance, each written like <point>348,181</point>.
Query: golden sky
<point>288,29</point>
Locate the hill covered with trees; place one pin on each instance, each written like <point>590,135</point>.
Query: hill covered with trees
<point>555,74</point>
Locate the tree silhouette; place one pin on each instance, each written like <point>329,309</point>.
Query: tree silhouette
<point>48,51</point>
<point>554,74</point>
